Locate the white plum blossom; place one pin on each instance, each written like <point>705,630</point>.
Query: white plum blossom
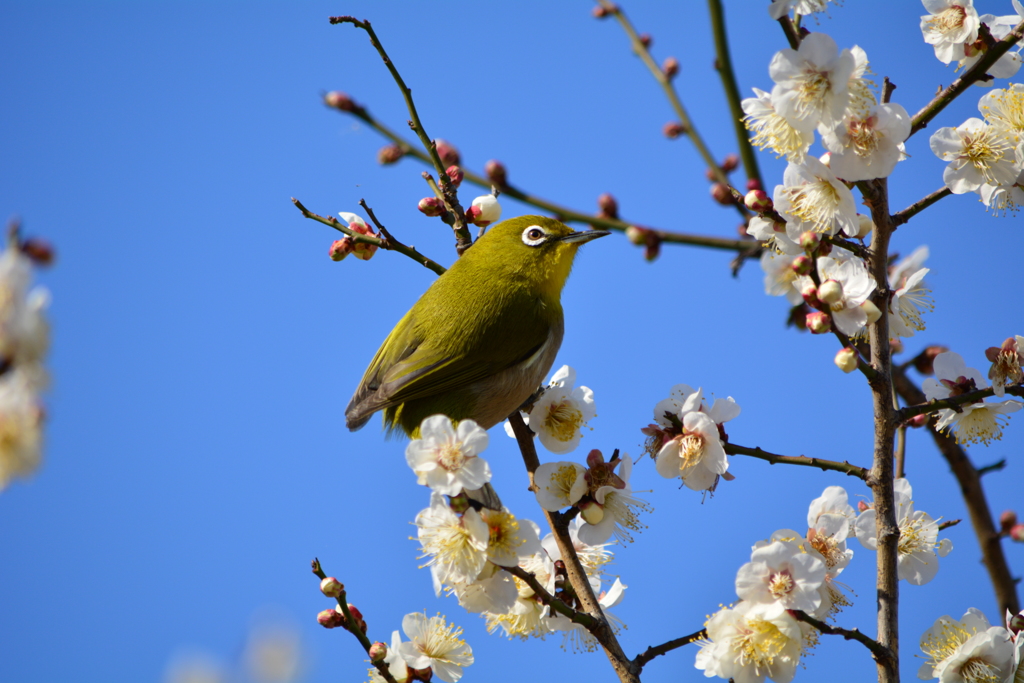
<point>948,26</point>
<point>975,422</point>
<point>773,236</point>
<point>446,458</point>
<point>509,539</point>
<point>495,593</point>
<point>435,643</point>
<point>456,546</point>
<point>780,8</point>
<point>750,642</point>
<point>580,638</point>
<point>560,484</point>
<point>614,511</point>
<point>779,277</point>
<point>484,210</point>
<point>917,561</point>
<point>812,82</point>
<point>978,153</point>
<point>594,558</point>
<point>781,572</point>
<point>1007,359</point>
<point>773,131</point>
<point>967,651</point>
<point>832,507</point>
<point>1003,198</point>
<point>1003,109</point>
<point>910,297</point>
<point>560,414</point>
<point>868,146</point>
<point>861,96</point>
<point>696,455</point>
<point>812,198</point>
<point>845,286</point>
<point>21,424</point>
<point>1008,64</point>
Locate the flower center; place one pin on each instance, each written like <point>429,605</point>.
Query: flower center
<point>948,20</point>
<point>563,479</point>
<point>815,202</point>
<point>863,137</point>
<point>977,670</point>
<point>781,584</point>
<point>563,420</point>
<point>814,88</point>
<point>984,149</point>
<point>450,457</point>
<point>691,450</point>
<point>759,644</point>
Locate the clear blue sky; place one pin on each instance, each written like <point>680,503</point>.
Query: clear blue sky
<point>205,346</point>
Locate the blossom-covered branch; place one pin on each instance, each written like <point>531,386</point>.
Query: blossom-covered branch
<point>954,402</point>
<point>584,620</point>
<point>878,650</point>
<point>802,460</point>
<point>463,239</point>
<point>385,242</point>
<point>969,478</point>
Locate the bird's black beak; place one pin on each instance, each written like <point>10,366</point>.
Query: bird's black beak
<point>584,235</point>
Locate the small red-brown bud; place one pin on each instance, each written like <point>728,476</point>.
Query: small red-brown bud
<point>339,100</point>
<point>1017,533</point>
<point>863,505</point>
<point>802,265</point>
<point>652,247</point>
<point>38,250</point>
<point>431,206</point>
<point>357,616</point>
<point>389,154</point>
<point>609,208</point>
<point>646,40</point>
<point>448,153</point>
<point>341,248</point>
<point>1016,623</point>
<point>673,129</point>
<point>809,240</point>
<point>754,184</point>
<point>896,345</point>
<point>925,361</point>
<point>798,317</point>
<point>721,193</point>
<point>496,173</point>
<point>758,201</point>
<point>331,587</point>
<point>601,12</point>
<point>424,675</point>
<point>378,651</point>
<point>1007,521</point>
<point>819,322</point>
<point>595,458</point>
<point>330,618</point>
<point>917,421</point>
<point>730,163</point>
<point>670,67</point>
<point>455,174</point>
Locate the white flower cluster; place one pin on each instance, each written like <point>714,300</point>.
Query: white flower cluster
<point>687,436</point>
<point>467,549</point>
<point>952,28</point>
<point>986,155</point>
<point>24,339</point>
<point>979,422</point>
<point>971,650</point>
<point>757,637</point>
<point>433,643</point>
<point>560,413</point>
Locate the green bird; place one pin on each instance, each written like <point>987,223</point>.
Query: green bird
<point>481,339</point>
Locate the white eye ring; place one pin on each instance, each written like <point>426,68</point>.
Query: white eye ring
<point>534,235</point>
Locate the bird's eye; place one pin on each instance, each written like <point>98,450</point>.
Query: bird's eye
<point>534,235</point>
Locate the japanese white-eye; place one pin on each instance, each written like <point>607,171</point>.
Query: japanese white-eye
<point>482,338</point>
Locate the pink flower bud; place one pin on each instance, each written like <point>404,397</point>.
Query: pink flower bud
<point>431,206</point>
<point>819,322</point>
<point>721,193</point>
<point>496,173</point>
<point>447,151</point>
<point>802,266</point>
<point>730,163</point>
<point>831,292</point>
<point>1017,533</point>
<point>646,40</point>
<point>609,208</point>
<point>341,248</point>
<point>673,129</point>
<point>484,211</point>
<point>389,154</point>
<point>595,458</point>
<point>378,651</point>
<point>809,240</point>
<point>1007,521</point>
<point>330,618</point>
<point>339,100</point>
<point>331,587</point>
<point>917,421</point>
<point>455,174</point>
<point>758,201</point>
<point>810,295</point>
<point>670,67</point>
<point>600,12</point>
<point>846,360</point>
<point>40,252</point>
<point>754,184</point>
<point>358,617</point>
<point>863,505</point>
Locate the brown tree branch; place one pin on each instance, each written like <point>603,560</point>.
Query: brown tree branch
<point>653,651</point>
<point>802,460</point>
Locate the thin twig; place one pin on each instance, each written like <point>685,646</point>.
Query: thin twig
<point>653,651</point>
<point>977,72</point>
<point>387,242</point>
<point>463,240</point>
<point>879,651</point>
<point>673,97</point>
<point>901,217</point>
<point>954,402</point>
<point>803,461</point>
<point>581,618</point>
